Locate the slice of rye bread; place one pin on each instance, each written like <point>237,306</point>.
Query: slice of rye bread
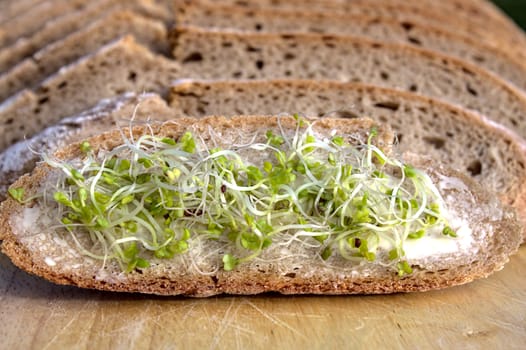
<point>116,68</point>
<point>481,11</point>
<point>70,22</point>
<point>214,54</point>
<point>33,19</point>
<point>10,9</point>
<point>122,110</point>
<point>31,240</point>
<point>50,59</point>
<point>486,56</point>
<point>509,36</point>
<point>462,139</point>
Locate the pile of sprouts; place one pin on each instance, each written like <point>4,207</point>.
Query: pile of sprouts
<point>152,196</point>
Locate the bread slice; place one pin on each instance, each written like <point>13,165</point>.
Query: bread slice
<point>33,242</point>
<point>10,9</point>
<point>462,139</point>
<point>502,33</point>
<point>70,22</point>
<point>117,68</point>
<point>151,33</point>
<point>479,11</point>
<point>222,55</point>
<point>130,107</point>
<point>494,59</point>
<point>34,18</point>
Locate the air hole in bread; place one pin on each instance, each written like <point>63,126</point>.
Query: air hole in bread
<point>62,85</point>
<point>290,275</point>
<point>398,138</point>
<point>260,64</point>
<point>258,27</point>
<point>436,142</point>
<point>226,44</point>
<point>467,71</point>
<point>9,121</point>
<point>251,48</point>
<point>43,100</point>
<point>315,30</point>
<point>414,40</point>
<point>251,76</point>
<point>393,106</point>
<point>42,90</point>
<point>132,76</point>
<point>475,168</point>
<point>288,73</point>
<point>384,75</point>
<point>478,58</point>
<point>514,122</point>
<point>413,88</point>
<point>214,279</point>
<point>237,74</point>
<point>289,56</point>
<point>345,114</point>
<point>407,26</point>
<point>471,90</point>
<point>193,57</point>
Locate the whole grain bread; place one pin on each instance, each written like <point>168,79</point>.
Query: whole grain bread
<point>35,17</point>
<point>209,54</point>
<point>462,139</point>
<point>129,108</point>
<point>10,9</point>
<point>494,59</point>
<point>114,69</point>
<point>67,23</point>
<point>480,11</point>
<point>506,35</point>
<point>34,244</point>
<point>31,71</point>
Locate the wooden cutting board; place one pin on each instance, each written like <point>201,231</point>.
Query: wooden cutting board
<point>486,314</point>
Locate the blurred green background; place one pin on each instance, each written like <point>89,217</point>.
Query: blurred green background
<point>515,8</point>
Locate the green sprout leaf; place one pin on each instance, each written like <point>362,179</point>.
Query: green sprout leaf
<point>85,147</point>
<point>448,231</point>
<point>230,262</point>
<point>188,143</point>
<point>417,234</point>
<point>17,194</point>
<point>404,268</point>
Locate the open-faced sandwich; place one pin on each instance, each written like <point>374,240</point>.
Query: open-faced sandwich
<point>252,204</point>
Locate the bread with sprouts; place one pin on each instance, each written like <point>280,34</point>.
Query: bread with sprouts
<point>250,204</point>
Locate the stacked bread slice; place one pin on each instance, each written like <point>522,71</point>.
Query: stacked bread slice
<point>448,77</point>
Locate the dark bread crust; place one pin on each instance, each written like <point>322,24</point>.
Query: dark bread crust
<point>497,238</point>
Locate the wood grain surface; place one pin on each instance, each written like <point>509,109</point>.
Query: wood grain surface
<point>486,314</point>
